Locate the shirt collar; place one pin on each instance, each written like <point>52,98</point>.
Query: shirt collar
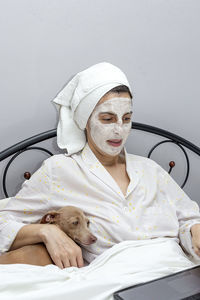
<point>100,171</point>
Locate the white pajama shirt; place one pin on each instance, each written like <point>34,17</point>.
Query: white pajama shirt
<point>154,205</point>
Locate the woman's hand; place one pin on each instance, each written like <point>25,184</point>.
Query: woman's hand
<point>195,232</point>
<point>63,250</point>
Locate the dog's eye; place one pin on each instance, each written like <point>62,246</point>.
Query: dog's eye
<point>75,223</point>
<point>88,223</point>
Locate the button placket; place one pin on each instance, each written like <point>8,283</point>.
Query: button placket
<point>133,182</point>
<point>126,209</point>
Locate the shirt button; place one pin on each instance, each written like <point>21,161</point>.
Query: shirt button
<point>126,209</point>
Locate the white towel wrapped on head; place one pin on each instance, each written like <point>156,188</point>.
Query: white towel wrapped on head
<point>77,100</point>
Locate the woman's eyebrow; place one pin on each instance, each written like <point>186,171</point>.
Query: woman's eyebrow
<point>111,113</point>
<point>107,112</point>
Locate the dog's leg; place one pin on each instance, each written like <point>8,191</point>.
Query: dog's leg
<point>36,254</point>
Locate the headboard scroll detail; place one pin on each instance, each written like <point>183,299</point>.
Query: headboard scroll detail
<point>27,144</point>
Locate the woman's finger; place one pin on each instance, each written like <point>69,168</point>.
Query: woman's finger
<point>66,263</point>
<point>58,262</point>
<point>80,261</point>
<point>197,250</point>
<point>68,257</point>
<point>73,262</point>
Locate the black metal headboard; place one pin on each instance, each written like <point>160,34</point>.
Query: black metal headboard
<point>27,144</point>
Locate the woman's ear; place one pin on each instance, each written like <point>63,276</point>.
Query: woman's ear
<point>87,130</point>
<point>87,126</point>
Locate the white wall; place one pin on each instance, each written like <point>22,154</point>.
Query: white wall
<point>155,42</point>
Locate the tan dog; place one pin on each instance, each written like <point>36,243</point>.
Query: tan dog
<point>70,219</point>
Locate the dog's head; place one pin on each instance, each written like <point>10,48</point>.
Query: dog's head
<point>73,222</point>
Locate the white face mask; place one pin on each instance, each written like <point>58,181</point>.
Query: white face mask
<point>111,135</point>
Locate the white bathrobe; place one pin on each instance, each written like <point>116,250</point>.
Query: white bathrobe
<point>154,205</point>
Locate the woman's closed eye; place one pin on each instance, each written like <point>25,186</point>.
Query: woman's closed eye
<point>107,118</point>
<point>127,119</point>
<point>111,118</point>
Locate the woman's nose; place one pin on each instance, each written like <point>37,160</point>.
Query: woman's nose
<point>118,127</point>
<point>119,122</point>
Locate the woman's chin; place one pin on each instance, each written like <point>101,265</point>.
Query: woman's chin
<point>113,150</point>
<point>106,148</point>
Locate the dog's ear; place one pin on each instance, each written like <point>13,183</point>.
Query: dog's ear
<point>50,217</point>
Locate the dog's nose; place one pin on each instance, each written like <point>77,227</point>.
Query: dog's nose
<point>93,239</point>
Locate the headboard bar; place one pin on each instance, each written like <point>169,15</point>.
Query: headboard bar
<point>167,134</point>
<point>138,126</point>
<point>27,143</point>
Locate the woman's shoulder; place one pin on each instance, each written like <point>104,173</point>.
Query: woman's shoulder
<point>142,160</point>
<point>58,160</point>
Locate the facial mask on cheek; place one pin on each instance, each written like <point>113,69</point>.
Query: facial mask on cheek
<point>101,133</point>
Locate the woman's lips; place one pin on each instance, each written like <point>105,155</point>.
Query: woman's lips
<point>114,143</point>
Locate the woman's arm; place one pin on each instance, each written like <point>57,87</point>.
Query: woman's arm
<point>27,235</point>
<point>195,232</point>
<point>28,206</point>
<point>187,211</point>
<point>62,249</point>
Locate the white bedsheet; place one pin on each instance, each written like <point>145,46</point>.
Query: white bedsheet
<point>123,265</point>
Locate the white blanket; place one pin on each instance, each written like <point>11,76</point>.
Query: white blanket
<point>123,265</point>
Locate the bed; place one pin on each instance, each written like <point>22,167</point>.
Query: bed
<point>112,270</point>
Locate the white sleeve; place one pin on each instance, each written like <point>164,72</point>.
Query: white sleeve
<point>187,211</point>
<point>28,206</point>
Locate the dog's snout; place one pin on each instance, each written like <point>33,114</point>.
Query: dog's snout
<point>93,239</point>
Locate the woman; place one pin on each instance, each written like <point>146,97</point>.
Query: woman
<point>126,197</point>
